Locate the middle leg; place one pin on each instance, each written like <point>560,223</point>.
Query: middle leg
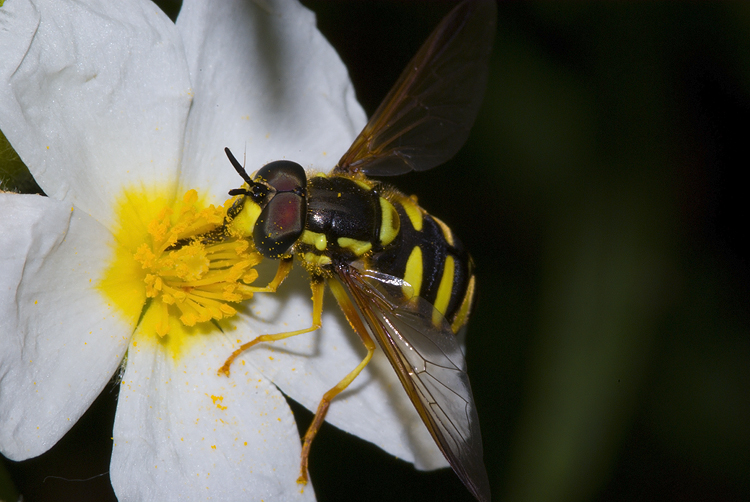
<point>353,317</point>
<point>317,284</point>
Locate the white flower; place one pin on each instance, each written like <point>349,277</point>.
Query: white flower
<point>118,112</point>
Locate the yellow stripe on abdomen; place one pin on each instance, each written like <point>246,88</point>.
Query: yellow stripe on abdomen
<point>390,222</point>
<point>444,291</point>
<point>413,211</point>
<point>447,233</point>
<point>413,273</point>
<point>462,316</point>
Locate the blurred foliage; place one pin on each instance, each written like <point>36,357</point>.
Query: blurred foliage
<point>14,175</point>
<point>601,197</point>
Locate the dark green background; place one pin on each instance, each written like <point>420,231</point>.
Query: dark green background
<point>600,195</point>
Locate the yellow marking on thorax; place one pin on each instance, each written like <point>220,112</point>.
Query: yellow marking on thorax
<point>357,247</point>
<point>318,260</point>
<point>390,222</point>
<point>413,273</point>
<point>413,211</point>
<point>462,316</point>
<point>314,239</point>
<point>444,291</point>
<point>447,233</point>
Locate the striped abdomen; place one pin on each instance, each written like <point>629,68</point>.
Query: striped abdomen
<point>349,219</point>
<point>428,256</point>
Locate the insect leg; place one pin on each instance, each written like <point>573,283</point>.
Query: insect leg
<point>282,273</point>
<point>318,286</point>
<point>353,317</point>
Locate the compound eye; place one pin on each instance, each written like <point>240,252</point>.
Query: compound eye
<point>280,224</point>
<point>282,221</point>
<point>283,176</point>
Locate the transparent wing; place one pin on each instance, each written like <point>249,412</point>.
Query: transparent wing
<point>430,364</point>
<point>427,115</point>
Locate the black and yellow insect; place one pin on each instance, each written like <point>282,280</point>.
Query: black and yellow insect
<point>399,274</point>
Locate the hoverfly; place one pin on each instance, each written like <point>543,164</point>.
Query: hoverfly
<point>399,274</point>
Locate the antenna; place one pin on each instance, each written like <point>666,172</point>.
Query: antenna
<point>238,167</point>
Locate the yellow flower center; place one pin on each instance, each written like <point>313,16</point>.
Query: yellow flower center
<point>176,268</point>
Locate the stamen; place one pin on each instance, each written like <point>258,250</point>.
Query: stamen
<point>195,282</point>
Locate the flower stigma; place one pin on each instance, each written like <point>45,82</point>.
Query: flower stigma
<point>176,270</point>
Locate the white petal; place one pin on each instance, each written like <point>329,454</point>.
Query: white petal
<point>183,433</point>
<point>375,407</point>
<point>266,84</point>
<point>59,343</point>
<point>93,96</point>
